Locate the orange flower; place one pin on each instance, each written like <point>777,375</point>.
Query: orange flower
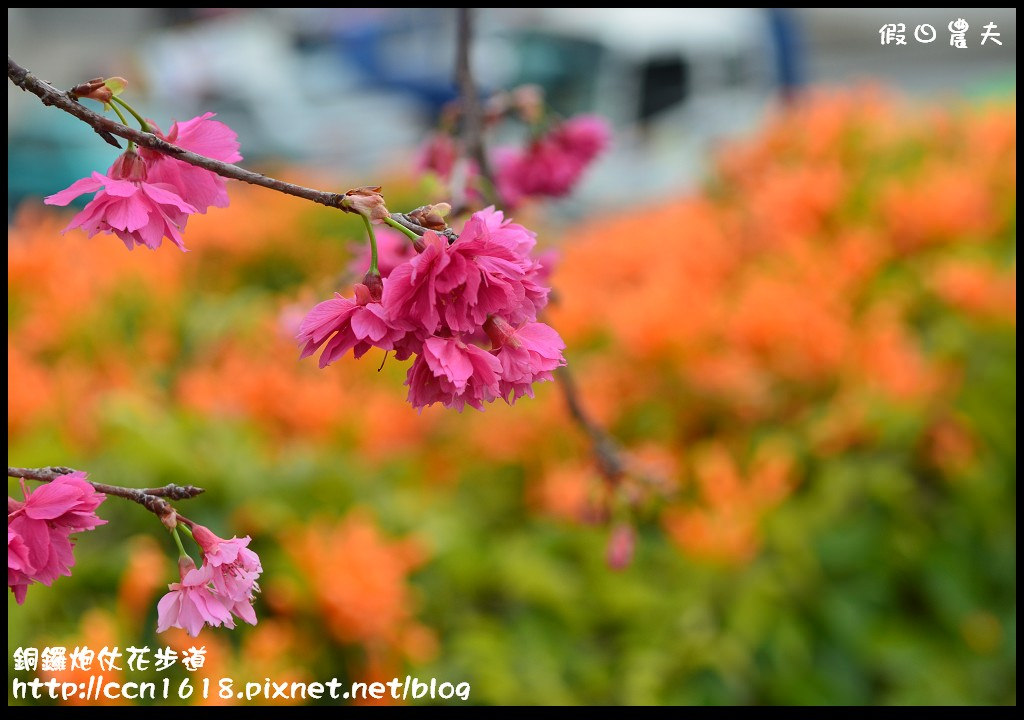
<point>358,578</point>
<point>572,493</point>
<point>978,289</point>
<point>724,525</point>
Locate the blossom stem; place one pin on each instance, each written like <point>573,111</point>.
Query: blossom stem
<point>373,244</point>
<point>177,541</point>
<point>142,121</point>
<point>402,229</point>
<point>124,121</point>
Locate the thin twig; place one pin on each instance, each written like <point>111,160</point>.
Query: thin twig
<point>44,474</point>
<point>66,102</point>
<point>150,498</point>
<point>469,99</point>
<point>607,452</point>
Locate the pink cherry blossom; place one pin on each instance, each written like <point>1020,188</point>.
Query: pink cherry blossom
<point>445,305</point>
<point>500,251</point>
<point>19,567</point>
<point>583,136</point>
<point>411,293</point>
<point>38,545</point>
<point>486,271</point>
<point>528,354</point>
<point>547,169</point>
<point>192,603</point>
<point>234,570</point>
<point>552,164</point>
<point>212,138</point>
<point>509,234</point>
<point>544,169</point>
<point>453,373</point>
<point>347,324</point>
<point>127,204</point>
<point>438,155</point>
<point>621,546</point>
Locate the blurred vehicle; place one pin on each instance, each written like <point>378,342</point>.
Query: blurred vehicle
<point>354,90</point>
<point>669,80</point>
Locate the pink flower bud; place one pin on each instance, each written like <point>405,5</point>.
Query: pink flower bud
<point>129,166</point>
<point>367,201</point>
<point>431,216</point>
<point>94,90</point>
<point>620,546</point>
<point>204,537</point>
<point>185,564</point>
<point>374,286</point>
<point>499,331</point>
<point>99,89</point>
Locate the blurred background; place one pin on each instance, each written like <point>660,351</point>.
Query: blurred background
<point>802,325</point>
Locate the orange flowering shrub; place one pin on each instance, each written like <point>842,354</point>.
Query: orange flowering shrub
<point>794,285</point>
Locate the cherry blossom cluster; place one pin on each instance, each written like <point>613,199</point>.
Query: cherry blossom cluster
<point>147,196</point>
<point>39,545</point>
<point>550,165</point>
<point>224,586</point>
<point>467,310</point>
<point>39,550</point>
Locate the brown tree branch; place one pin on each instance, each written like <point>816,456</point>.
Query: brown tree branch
<point>153,499</point>
<point>50,95</point>
<point>469,99</point>
<point>67,102</point>
<point>607,453</point>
